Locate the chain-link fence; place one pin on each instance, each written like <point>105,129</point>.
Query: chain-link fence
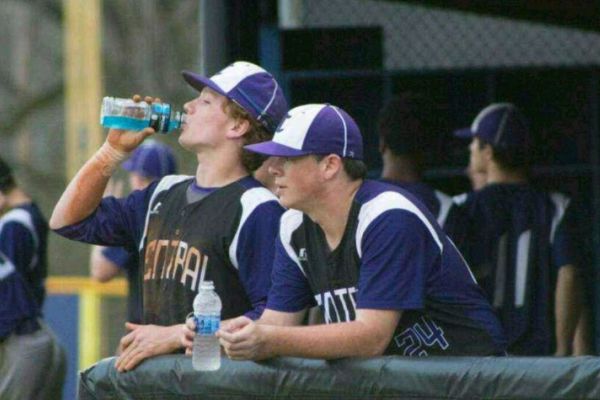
<point>424,38</point>
<point>461,61</point>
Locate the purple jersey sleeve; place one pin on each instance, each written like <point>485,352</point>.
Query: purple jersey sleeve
<point>17,244</point>
<point>398,251</point>
<point>290,291</point>
<point>117,255</point>
<point>563,244</point>
<point>116,222</point>
<point>254,252</point>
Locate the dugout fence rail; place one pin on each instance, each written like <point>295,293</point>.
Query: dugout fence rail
<point>172,377</point>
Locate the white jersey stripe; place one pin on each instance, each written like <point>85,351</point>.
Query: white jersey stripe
<point>445,205</point>
<point>290,221</point>
<point>165,184</point>
<point>561,202</point>
<point>22,217</point>
<point>387,201</point>
<point>6,266</point>
<point>250,200</point>
<point>460,199</point>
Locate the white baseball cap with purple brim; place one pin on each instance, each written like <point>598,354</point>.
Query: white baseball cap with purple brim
<point>248,85</point>
<point>314,129</point>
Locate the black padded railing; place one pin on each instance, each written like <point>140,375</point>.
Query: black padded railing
<point>172,377</point>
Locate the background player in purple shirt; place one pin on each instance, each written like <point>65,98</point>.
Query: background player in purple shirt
<point>405,133</point>
<point>219,225</point>
<point>520,241</point>
<point>148,163</point>
<point>32,363</point>
<point>368,253</point>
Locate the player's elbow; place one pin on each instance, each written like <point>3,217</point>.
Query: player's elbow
<point>102,269</point>
<point>101,276</point>
<point>374,345</point>
<point>372,350</point>
<point>55,221</point>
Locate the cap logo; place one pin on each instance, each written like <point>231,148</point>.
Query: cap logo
<point>280,127</point>
<point>294,129</point>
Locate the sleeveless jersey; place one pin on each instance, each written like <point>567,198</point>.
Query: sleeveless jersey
<point>227,237</point>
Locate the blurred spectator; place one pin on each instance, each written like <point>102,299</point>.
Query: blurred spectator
<point>219,225</point>
<point>32,363</point>
<point>478,179</point>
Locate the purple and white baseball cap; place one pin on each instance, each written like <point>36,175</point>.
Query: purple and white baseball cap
<point>251,87</point>
<point>500,124</point>
<point>151,159</point>
<point>314,129</point>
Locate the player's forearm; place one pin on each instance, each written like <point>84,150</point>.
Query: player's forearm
<point>582,343</point>
<point>567,308</point>
<point>84,192</point>
<point>348,339</point>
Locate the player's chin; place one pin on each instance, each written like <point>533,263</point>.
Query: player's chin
<point>287,202</point>
<point>185,141</point>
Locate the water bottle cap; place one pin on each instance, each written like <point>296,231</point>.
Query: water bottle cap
<point>207,285</point>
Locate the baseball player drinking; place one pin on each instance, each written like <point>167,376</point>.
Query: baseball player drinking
<point>219,225</point>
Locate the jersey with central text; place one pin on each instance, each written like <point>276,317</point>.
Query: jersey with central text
<point>393,256</point>
<point>23,269</point>
<point>226,237</point>
<point>517,239</point>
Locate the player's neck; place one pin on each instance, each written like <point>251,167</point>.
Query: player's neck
<point>332,210</point>
<point>399,169</point>
<point>219,169</point>
<point>495,174</point>
<point>17,198</point>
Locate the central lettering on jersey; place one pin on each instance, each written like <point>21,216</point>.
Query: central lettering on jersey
<point>338,305</point>
<point>175,260</point>
<point>302,255</point>
<point>425,333</point>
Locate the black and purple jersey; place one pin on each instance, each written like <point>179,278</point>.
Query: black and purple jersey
<point>23,269</point>
<point>438,203</point>
<point>517,239</point>
<point>227,237</point>
<point>393,256</point>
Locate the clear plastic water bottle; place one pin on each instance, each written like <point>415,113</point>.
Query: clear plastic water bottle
<point>206,355</point>
<point>130,115</point>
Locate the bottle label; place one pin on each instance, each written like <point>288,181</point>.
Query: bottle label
<point>207,324</point>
